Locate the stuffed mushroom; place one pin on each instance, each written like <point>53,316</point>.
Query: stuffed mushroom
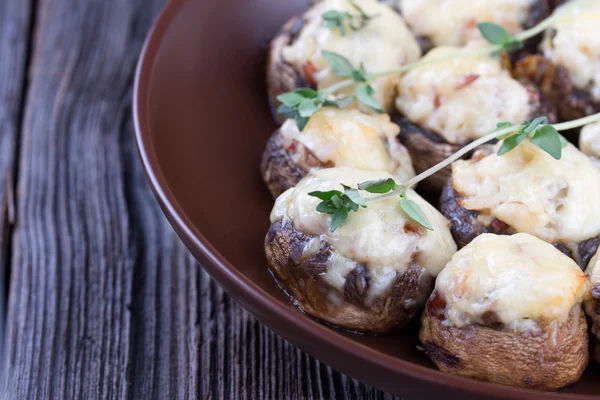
<point>568,70</point>
<point>382,44</point>
<point>372,274</point>
<point>592,306</point>
<point>454,22</point>
<point>334,138</point>
<point>527,190</point>
<point>507,309</point>
<point>447,104</point>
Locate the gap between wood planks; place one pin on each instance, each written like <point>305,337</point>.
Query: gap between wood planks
<point>21,60</point>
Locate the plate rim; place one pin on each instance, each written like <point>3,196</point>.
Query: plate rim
<point>228,277</point>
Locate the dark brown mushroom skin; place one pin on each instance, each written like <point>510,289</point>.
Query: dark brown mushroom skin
<point>538,11</point>
<point>465,226</point>
<point>426,148</point>
<point>593,313</point>
<point>283,167</point>
<point>281,76</point>
<point>300,276</point>
<point>554,82</point>
<point>496,354</point>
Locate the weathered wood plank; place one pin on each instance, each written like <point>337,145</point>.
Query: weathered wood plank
<point>105,302</point>
<point>15,24</point>
<point>68,324</point>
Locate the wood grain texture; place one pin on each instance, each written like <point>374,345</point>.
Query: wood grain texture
<point>14,45</point>
<point>105,302</point>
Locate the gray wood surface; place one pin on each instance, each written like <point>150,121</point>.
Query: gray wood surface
<point>15,24</point>
<point>104,300</point>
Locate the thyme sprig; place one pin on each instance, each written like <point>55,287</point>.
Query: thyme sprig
<point>496,35</point>
<point>539,132</point>
<point>300,104</point>
<point>339,204</point>
<point>339,20</point>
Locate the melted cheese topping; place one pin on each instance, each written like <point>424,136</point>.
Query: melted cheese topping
<point>589,141</point>
<point>350,138</point>
<point>380,237</point>
<point>555,200</point>
<point>519,278</point>
<point>574,43</point>
<point>454,22</point>
<point>383,44</point>
<point>461,98</point>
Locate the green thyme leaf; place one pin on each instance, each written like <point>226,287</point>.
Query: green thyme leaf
<point>414,212</point>
<point>308,107</point>
<point>326,207</point>
<point>286,111</point>
<point>563,141</point>
<point>357,8</point>
<point>378,186</point>
<point>325,195</point>
<point>512,44</point>
<point>343,68</point>
<point>290,99</point>
<point>338,218</point>
<point>511,142</point>
<point>338,20</point>
<point>364,94</point>
<point>339,204</point>
<point>339,64</point>
<point>547,138</point>
<point>354,196</point>
<point>307,92</point>
<point>502,125</point>
<point>534,124</point>
<point>300,104</point>
<point>340,103</point>
<point>335,19</point>
<point>301,122</point>
<point>495,34</point>
<point>359,75</point>
<point>337,201</point>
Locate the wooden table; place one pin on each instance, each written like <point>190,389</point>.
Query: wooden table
<point>104,301</point>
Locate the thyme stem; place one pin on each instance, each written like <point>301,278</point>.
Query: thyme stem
<point>522,36</point>
<point>420,63</point>
<point>535,30</point>
<point>339,85</point>
<point>476,143</point>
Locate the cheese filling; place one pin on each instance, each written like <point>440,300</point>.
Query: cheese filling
<point>350,138</point>
<point>520,279</point>
<point>380,237</point>
<point>574,43</point>
<point>589,141</point>
<point>383,44</point>
<point>555,200</point>
<point>462,98</point>
<point>454,22</point>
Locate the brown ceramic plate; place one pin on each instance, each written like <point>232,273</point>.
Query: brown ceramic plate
<point>202,120</point>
